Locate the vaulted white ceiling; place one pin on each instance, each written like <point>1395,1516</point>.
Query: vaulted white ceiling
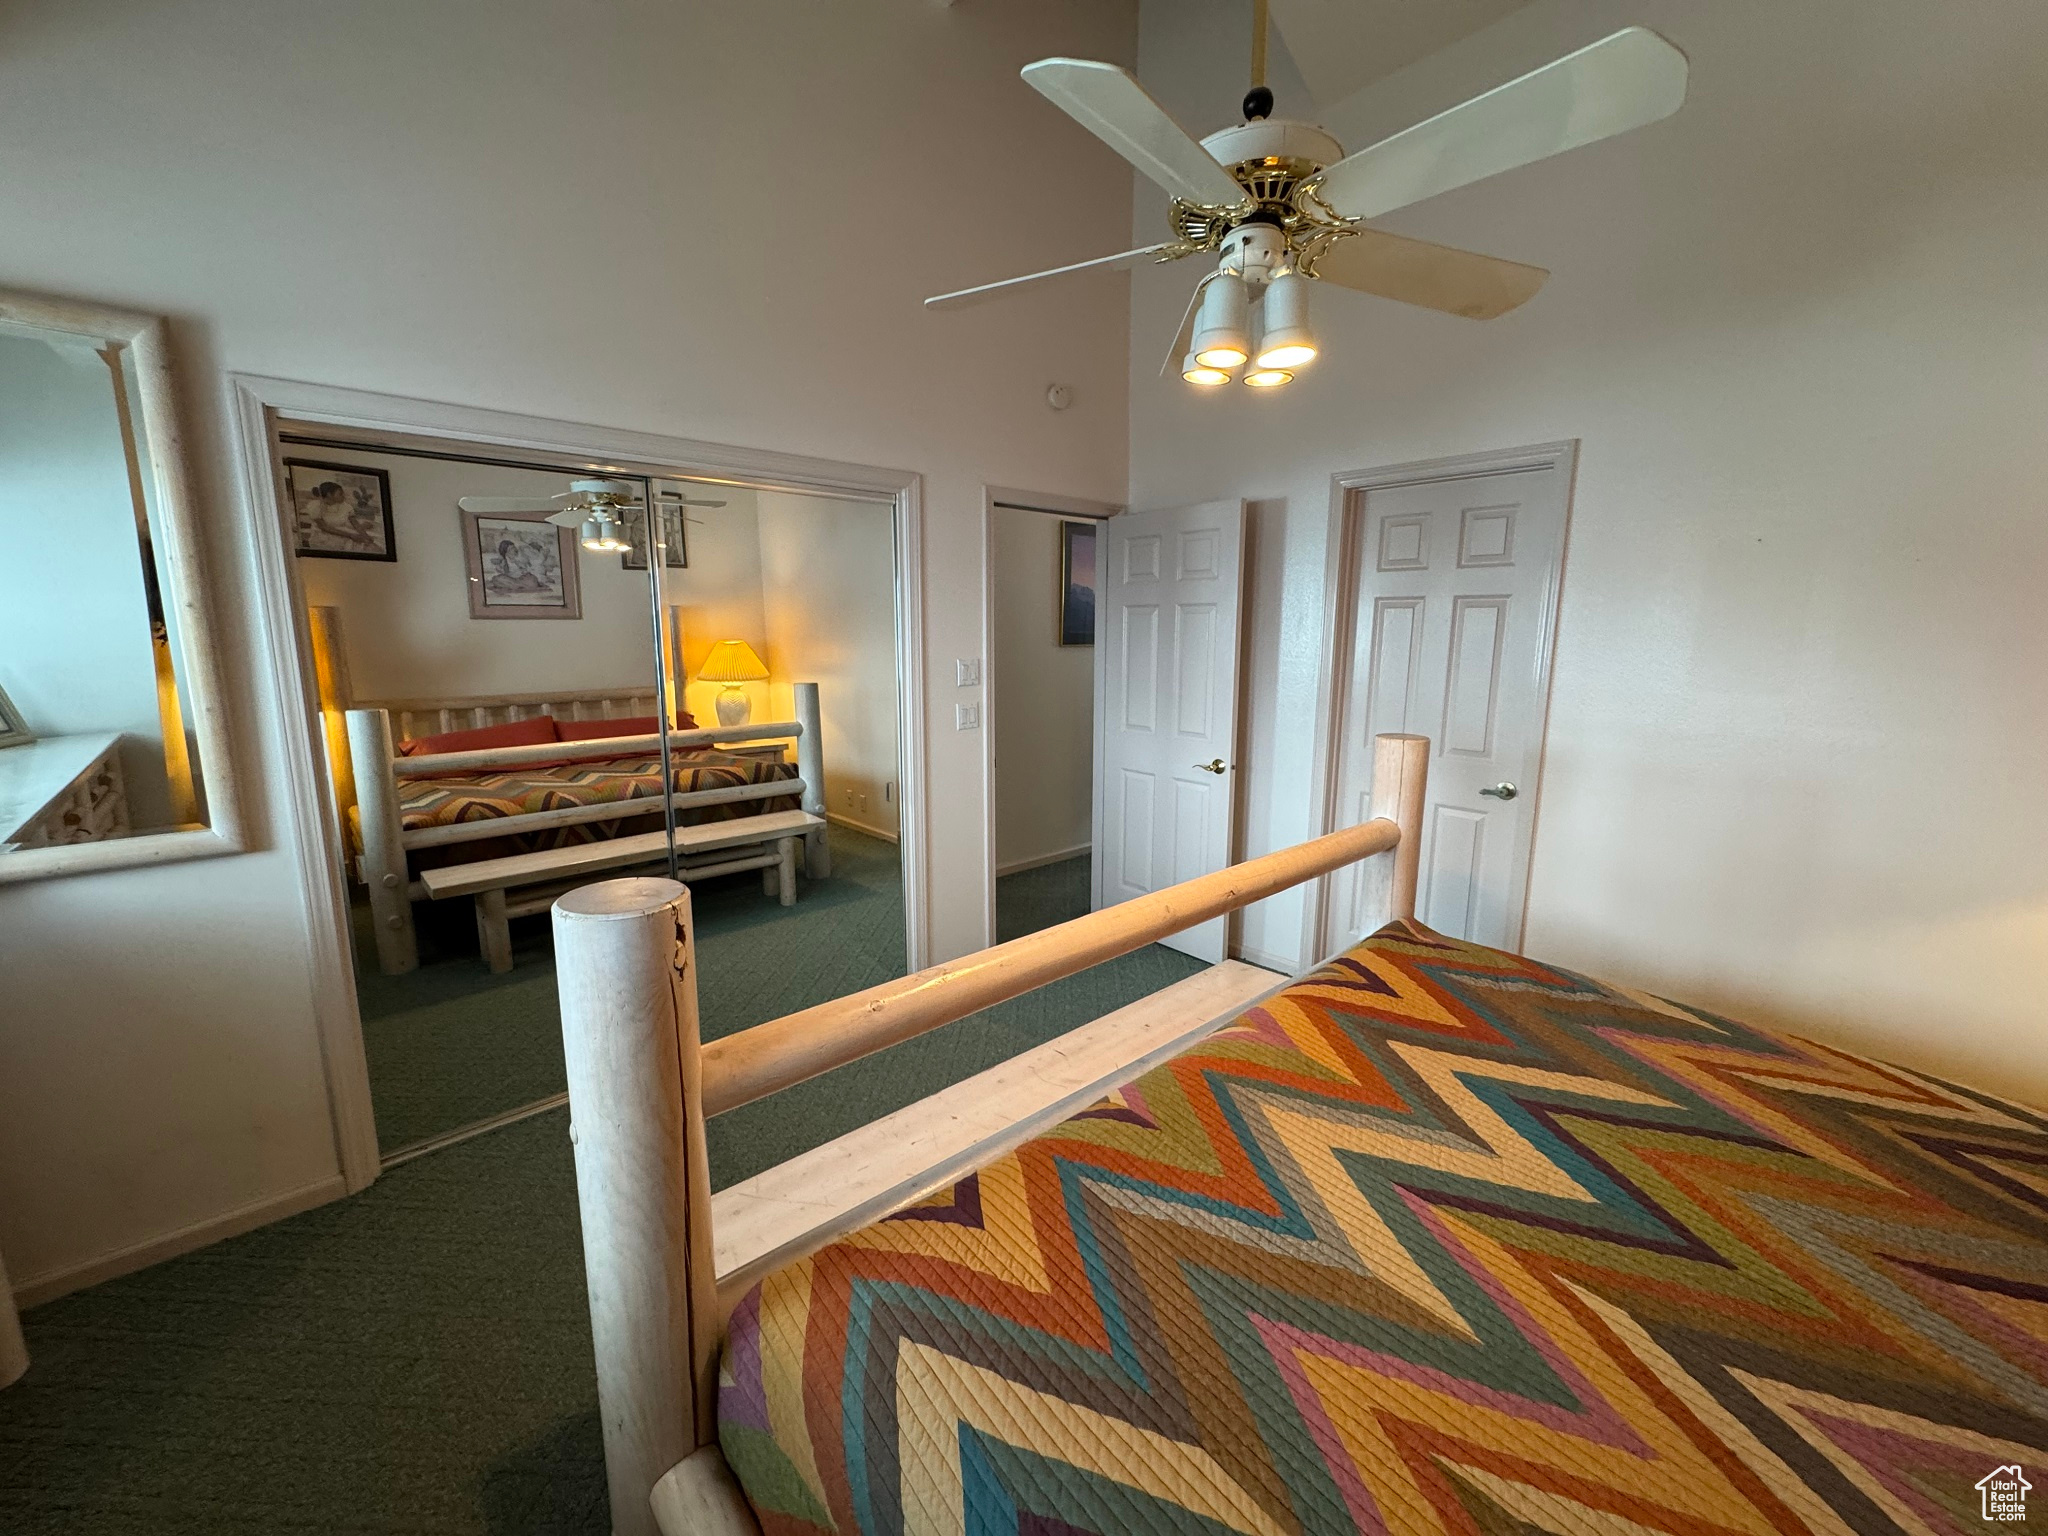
<point>1341,46</point>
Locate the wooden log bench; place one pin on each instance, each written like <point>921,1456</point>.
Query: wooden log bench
<point>767,843</point>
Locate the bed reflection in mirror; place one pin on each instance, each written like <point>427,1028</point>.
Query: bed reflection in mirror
<point>95,715</point>
<point>492,661</point>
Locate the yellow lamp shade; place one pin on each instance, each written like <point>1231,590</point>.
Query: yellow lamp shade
<point>731,661</point>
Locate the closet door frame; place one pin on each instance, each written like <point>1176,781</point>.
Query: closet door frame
<point>1340,616</point>
<point>280,633</point>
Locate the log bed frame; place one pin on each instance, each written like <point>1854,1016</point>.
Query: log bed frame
<point>666,1259</point>
<point>377,768</point>
<point>364,768</point>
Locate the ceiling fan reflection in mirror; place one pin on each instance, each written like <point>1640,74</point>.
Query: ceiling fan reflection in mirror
<point>600,507</point>
<point>1282,207</point>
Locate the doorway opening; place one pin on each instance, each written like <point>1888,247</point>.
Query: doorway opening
<point>768,615</point>
<point>1156,769</point>
<point>1041,701</point>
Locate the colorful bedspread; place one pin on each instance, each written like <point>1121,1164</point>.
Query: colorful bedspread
<point>445,800</point>
<point>1439,1239</point>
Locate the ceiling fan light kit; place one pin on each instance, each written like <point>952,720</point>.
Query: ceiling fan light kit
<point>1282,206</point>
<point>601,534</point>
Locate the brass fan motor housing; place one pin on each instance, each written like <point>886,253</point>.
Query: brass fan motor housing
<point>1280,190</point>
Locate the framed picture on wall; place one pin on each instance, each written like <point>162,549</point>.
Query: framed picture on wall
<point>340,511</point>
<point>14,731</point>
<point>675,549</point>
<point>1077,583</point>
<point>521,566</point>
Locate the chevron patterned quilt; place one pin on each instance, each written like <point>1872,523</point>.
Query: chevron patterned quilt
<point>1437,1240</point>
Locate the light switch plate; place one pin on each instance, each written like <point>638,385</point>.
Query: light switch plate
<point>967,672</point>
<point>966,717</point>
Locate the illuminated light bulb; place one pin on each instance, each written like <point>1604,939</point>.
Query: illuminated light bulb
<point>1287,342</point>
<point>1195,373</point>
<point>1267,378</point>
<point>1287,358</point>
<point>1223,324</point>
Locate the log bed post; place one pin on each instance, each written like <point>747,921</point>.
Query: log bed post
<point>1400,782</point>
<point>380,823</point>
<point>626,968</point>
<point>810,767</point>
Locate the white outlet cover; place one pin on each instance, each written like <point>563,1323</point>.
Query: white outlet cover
<point>967,672</point>
<point>967,717</point>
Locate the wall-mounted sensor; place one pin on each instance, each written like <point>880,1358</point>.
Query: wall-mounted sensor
<point>1059,396</point>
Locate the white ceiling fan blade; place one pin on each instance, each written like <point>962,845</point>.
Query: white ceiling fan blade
<point>670,493</point>
<point>1434,276</point>
<point>505,504</point>
<point>1111,105</point>
<point>1621,82</point>
<point>1114,263</point>
<point>571,517</point>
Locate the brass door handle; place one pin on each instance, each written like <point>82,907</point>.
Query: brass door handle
<point>1214,765</point>
<point>1501,792</point>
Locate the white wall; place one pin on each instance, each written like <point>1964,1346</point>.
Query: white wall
<point>513,204</point>
<point>75,652</point>
<point>1043,700</point>
<point>1794,746</point>
<point>408,625</point>
<point>828,571</point>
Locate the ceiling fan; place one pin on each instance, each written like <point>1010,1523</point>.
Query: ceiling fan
<point>1284,207</point>
<point>600,506</point>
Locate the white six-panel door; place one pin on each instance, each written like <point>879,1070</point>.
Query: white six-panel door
<point>1167,622</point>
<point>1456,587</point>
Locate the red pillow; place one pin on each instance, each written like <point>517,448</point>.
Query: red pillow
<point>623,725</point>
<point>513,733</point>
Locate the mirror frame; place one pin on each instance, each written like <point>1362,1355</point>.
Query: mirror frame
<point>177,539</point>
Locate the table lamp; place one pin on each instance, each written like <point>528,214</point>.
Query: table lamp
<point>732,662</point>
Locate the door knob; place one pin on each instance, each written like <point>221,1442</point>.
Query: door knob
<point>1501,792</point>
<point>1214,765</point>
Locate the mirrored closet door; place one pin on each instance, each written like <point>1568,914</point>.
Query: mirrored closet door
<point>490,694</point>
<point>536,672</point>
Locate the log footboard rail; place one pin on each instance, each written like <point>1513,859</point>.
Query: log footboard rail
<point>641,1085</point>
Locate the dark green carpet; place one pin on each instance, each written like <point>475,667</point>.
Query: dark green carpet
<point>417,1358</point>
<point>450,1044</point>
<point>1038,898</point>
